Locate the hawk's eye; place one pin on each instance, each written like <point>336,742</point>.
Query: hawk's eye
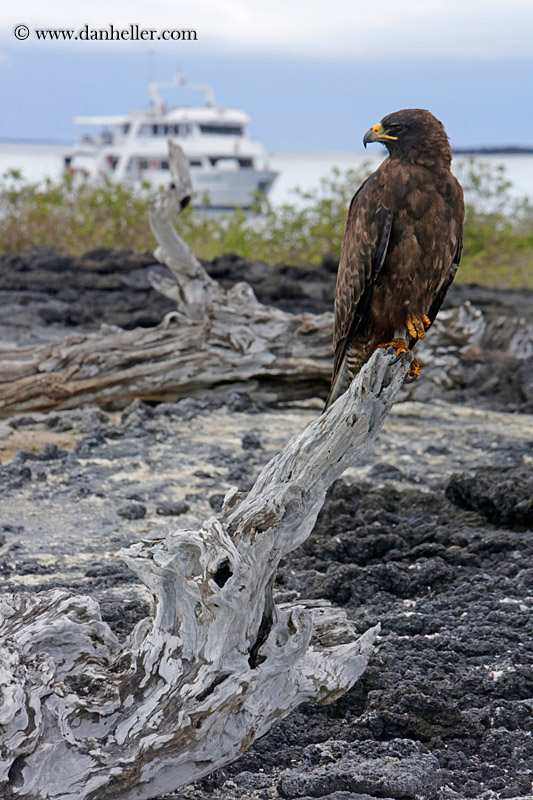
<point>396,127</point>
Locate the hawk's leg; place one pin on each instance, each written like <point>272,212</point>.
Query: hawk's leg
<point>417,326</point>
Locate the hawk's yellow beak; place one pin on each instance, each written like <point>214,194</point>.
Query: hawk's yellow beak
<point>377,134</point>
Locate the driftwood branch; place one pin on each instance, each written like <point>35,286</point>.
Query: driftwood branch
<point>193,290</point>
<point>238,340</point>
<point>217,665</point>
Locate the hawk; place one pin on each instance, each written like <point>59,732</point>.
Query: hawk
<point>401,247</point>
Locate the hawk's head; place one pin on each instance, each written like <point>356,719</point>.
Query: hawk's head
<point>413,134</point>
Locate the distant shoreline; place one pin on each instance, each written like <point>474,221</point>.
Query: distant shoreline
<point>485,150</point>
<point>59,142</point>
<point>508,150</point>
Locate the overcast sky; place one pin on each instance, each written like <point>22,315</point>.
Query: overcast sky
<point>320,28</point>
<point>310,74</point>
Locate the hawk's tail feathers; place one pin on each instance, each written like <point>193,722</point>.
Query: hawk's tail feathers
<point>339,383</point>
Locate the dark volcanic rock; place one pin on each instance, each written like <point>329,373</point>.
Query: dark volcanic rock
<point>397,769</point>
<point>293,288</point>
<point>239,400</point>
<point>494,381</point>
<point>103,286</point>
<point>502,495</point>
<point>117,571</point>
<point>169,509</point>
<point>216,501</point>
<point>122,615</point>
<point>132,511</point>
<point>48,453</point>
<point>13,476</point>
<point>348,796</point>
<point>250,441</point>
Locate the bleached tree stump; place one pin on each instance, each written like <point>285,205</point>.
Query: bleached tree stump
<point>85,717</point>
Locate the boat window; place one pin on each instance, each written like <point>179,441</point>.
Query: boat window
<point>126,128</point>
<point>149,163</point>
<point>161,130</point>
<point>226,130</point>
<point>136,164</point>
<point>195,163</point>
<point>242,162</point>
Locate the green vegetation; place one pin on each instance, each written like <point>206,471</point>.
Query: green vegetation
<point>498,230</point>
<point>72,217</point>
<point>76,217</point>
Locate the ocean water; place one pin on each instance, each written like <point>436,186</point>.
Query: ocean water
<point>297,168</point>
<point>305,168</point>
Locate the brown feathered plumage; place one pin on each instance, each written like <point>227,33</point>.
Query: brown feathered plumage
<point>402,244</point>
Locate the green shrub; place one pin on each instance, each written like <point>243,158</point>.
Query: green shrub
<point>498,236</point>
<point>71,217</point>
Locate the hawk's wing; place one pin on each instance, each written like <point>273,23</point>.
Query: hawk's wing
<point>443,291</point>
<point>438,300</point>
<point>364,247</point>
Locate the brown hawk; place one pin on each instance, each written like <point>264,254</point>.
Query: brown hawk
<point>401,247</point>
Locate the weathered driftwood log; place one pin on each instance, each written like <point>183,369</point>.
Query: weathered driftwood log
<point>218,664</point>
<point>213,338</point>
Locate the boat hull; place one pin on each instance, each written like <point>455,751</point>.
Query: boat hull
<point>212,187</point>
<point>225,190</point>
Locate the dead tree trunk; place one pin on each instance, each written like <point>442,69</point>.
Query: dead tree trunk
<point>218,664</point>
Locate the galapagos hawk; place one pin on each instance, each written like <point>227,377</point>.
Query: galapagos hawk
<point>401,247</point>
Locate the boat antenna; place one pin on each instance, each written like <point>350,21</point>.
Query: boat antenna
<point>179,80</point>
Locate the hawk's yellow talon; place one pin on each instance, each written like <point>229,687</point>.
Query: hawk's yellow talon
<point>414,369</point>
<point>415,327</point>
<point>400,345</point>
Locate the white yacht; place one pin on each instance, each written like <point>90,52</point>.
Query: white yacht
<point>227,167</point>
